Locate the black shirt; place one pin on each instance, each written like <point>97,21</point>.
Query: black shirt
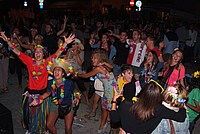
<point>122,52</point>
<point>131,124</point>
<point>50,41</point>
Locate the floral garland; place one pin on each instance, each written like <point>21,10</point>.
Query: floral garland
<point>148,71</point>
<point>70,68</point>
<point>36,74</point>
<point>54,92</point>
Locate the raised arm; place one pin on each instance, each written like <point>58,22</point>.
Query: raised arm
<point>64,45</point>
<point>91,73</point>
<point>23,45</point>
<point>63,28</point>
<point>11,45</point>
<point>113,34</point>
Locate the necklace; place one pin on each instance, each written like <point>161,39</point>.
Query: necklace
<point>37,73</point>
<point>148,71</point>
<point>55,98</point>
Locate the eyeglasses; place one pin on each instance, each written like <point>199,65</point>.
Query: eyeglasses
<point>157,84</point>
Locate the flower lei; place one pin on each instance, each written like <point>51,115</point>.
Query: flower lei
<point>55,98</point>
<point>148,71</point>
<point>36,74</point>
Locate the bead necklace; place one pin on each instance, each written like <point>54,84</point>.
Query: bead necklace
<point>148,71</point>
<point>55,98</point>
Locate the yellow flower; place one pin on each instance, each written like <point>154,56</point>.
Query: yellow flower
<point>197,74</point>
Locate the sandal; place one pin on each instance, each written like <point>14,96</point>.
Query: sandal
<point>101,131</point>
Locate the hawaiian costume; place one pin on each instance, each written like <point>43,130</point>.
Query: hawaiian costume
<point>34,118</point>
<point>61,96</point>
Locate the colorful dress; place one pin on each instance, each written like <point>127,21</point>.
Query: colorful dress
<point>109,84</point>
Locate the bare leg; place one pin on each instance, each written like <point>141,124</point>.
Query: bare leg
<point>95,102</point>
<point>86,97</point>
<point>51,120</point>
<point>104,115</point>
<point>68,123</point>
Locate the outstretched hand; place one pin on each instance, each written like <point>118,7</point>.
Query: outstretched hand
<point>4,37</point>
<point>68,40</point>
<point>116,95</point>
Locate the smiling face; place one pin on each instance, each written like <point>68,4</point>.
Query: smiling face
<point>177,56</point>
<point>136,36</point>
<point>150,57</point>
<point>58,73</point>
<point>39,54</point>
<point>95,59</point>
<point>104,38</point>
<point>38,39</point>
<point>127,75</point>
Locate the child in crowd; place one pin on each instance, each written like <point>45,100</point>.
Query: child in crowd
<point>193,102</point>
<point>174,97</point>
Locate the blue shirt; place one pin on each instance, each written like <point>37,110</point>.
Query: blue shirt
<point>69,86</point>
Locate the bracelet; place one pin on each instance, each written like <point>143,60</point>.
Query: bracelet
<point>75,74</point>
<point>61,48</point>
<point>77,95</point>
<point>13,46</point>
<point>113,102</point>
<point>38,99</point>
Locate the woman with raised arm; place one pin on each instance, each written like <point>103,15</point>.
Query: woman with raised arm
<point>34,117</point>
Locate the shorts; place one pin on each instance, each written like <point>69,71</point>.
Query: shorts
<point>99,89</point>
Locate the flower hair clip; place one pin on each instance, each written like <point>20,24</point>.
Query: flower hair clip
<point>196,74</point>
<point>172,90</point>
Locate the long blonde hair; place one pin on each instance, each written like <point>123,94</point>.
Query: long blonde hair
<point>102,55</point>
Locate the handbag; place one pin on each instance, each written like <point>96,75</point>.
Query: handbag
<point>172,130</point>
<point>63,110</point>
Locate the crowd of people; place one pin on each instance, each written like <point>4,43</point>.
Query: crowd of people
<point>138,72</point>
